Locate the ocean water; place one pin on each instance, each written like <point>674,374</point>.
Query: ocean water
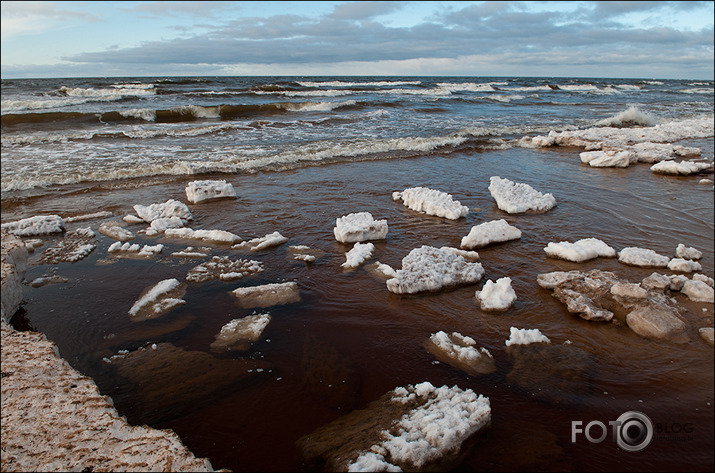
<point>303,151</point>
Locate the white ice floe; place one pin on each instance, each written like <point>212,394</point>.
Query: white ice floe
<point>431,202</point>
<point>360,226</point>
<point>684,265</point>
<point>496,296</point>
<point>115,230</point>
<point>134,250</point>
<point>704,278</point>
<point>682,168</point>
<point>525,336</point>
<point>642,257</point>
<point>241,333</point>
<point>304,253</point>
<point>429,269</point>
<point>80,218</point>
<point>76,245</point>
<point>608,159</point>
<point>38,225</point>
<point>519,197</point>
<point>468,255</point>
<point>459,347</point>
<point>486,233</point>
<point>132,219</point>
<point>162,224</point>
<point>427,433</point>
<point>359,253</point>
<point>268,295</point>
<point>199,191</point>
<point>581,250</point>
<point>258,244</point>
<point>191,252</point>
<point>170,208</point>
<point>211,236</point>
<point>223,268</point>
<point>687,252</point>
<point>385,270</point>
<point>158,299</point>
<point>698,291</point>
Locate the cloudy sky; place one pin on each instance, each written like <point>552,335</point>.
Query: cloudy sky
<point>635,39</point>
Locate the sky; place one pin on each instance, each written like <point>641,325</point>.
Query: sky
<point>609,39</point>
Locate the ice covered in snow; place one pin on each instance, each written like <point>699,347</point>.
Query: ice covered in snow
<point>706,279</point>
<point>199,191</point>
<point>38,225</point>
<point>581,250</point>
<point>239,334</point>
<point>687,252</point>
<point>698,291</point>
<point>468,255</point>
<point>461,352</point>
<point>359,253</point>
<point>429,269</point>
<point>431,202</point>
<point>128,250</point>
<point>223,268</point>
<point>684,265</point>
<point>360,226</point>
<point>132,219</point>
<point>158,299</point>
<point>191,252</point>
<point>115,230</point>
<point>170,208</point>
<point>525,336</point>
<point>210,236</point>
<point>258,244</point>
<point>496,296</point>
<point>76,245</point>
<point>161,225</point>
<point>486,233</point>
<point>268,294</point>
<point>80,218</point>
<point>423,435</point>
<point>642,257</point>
<point>608,159</point>
<point>519,197</point>
<point>682,168</point>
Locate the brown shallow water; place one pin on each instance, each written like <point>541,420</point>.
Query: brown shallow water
<point>372,340</point>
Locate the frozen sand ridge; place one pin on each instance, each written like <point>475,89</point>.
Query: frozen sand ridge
<point>432,202</point>
<point>55,419</point>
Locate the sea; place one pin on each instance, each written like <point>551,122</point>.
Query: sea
<point>301,152</point>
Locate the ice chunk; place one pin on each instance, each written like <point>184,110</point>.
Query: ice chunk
<point>461,352</point>
<point>268,294</point>
<point>158,299</point>
<point>486,233</point>
<point>76,245</point>
<point>211,236</point>
<point>581,250</point>
<point>128,250</point>
<point>429,269</point>
<point>608,159</point>
<point>170,208</point>
<point>496,296</point>
<point>684,265</point>
<point>39,225</point>
<point>686,252</point>
<point>432,202</point>
<point>698,291</point>
<point>525,336</point>
<point>683,168</point>
<point>642,257</point>
<point>114,230</point>
<point>358,255</point>
<point>199,191</point>
<point>518,197</point>
<point>223,268</point>
<point>359,226</point>
<point>239,334</point>
<point>258,244</point>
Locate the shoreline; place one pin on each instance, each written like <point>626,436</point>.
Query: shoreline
<point>54,418</point>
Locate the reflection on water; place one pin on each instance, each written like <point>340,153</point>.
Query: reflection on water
<point>349,330</point>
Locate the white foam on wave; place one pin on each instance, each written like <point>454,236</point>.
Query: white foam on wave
<point>338,83</point>
<point>631,116</point>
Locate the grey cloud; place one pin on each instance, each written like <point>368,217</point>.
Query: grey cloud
<point>364,10</point>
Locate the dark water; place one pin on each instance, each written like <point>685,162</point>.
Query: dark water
<point>360,334</point>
